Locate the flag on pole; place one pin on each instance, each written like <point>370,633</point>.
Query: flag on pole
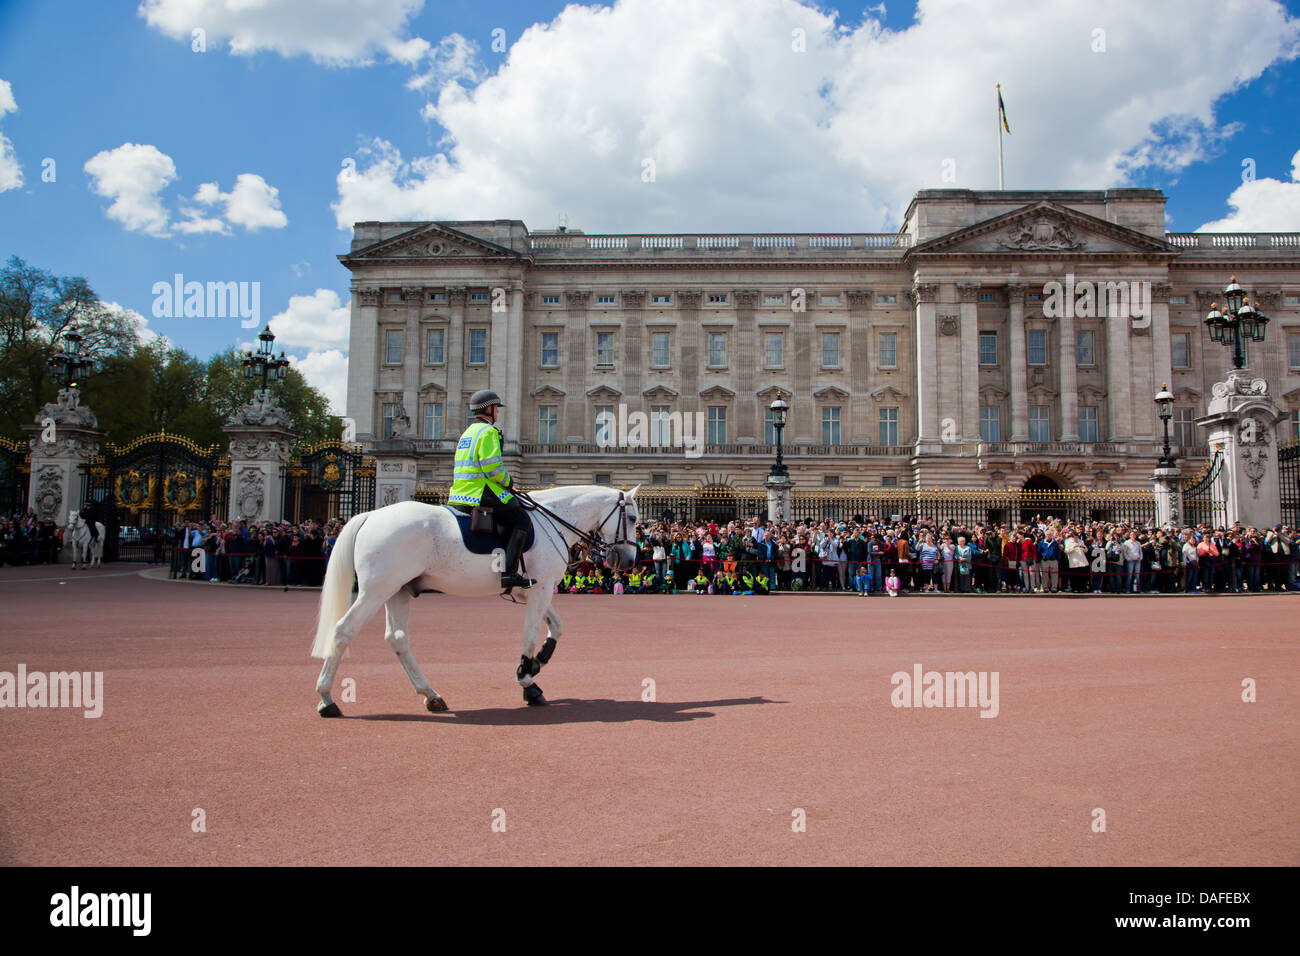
<point>1002,109</point>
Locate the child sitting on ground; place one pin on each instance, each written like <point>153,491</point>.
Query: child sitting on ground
<point>891,584</point>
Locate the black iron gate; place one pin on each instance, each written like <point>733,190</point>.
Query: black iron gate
<point>144,492</point>
<point>330,479</point>
<point>1288,465</point>
<point>15,470</point>
<point>1202,500</point>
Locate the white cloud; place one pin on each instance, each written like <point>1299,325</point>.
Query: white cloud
<point>133,176</point>
<point>1264,205</point>
<point>452,60</point>
<point>252,204</point>
<point>745,132</point>
<point>143,334</point>
<point>319,320</point>
<point>327,372</point>
<point>11,171</point>
<point>335,32</point>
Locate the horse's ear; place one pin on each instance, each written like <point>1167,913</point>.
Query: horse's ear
<point>632,493</point>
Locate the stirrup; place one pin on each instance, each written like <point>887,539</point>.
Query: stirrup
<point>511,579</point>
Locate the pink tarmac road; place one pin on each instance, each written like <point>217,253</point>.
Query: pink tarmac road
<point>762,706</point>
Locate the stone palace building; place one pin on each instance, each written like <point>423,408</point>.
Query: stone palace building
<point>998,339</point>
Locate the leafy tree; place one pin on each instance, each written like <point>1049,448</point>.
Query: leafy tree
<point>36,309</point>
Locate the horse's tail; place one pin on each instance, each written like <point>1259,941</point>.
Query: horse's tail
<point>336,590</point>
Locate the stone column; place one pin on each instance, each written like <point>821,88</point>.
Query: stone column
<point>1161,353</point>
<point>260,445</point>
<point>970,361</point>
<point>924,297</point>
<point>1168,488</point>
<point>1019,370</point>
<point>1242,422</point>
<point>1119,399</point>
<point>747,357</point>
<point>363,335</point>
<point>514,362</point>
<point>395,471</point>
<point>453,415</point>
<point>413,356</point>
<point>63,439</point>
<point>1069,377</point>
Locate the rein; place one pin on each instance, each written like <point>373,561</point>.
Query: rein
<point>595,543</point>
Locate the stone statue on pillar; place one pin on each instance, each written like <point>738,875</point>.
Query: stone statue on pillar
<point>260,444</point>
<point>64,438</point>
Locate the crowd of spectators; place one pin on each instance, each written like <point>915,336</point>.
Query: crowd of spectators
<point>257,553</point>
<point>25,539</point>
<point>1044,555</point>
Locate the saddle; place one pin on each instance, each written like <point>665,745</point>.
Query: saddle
<point>477,542</point>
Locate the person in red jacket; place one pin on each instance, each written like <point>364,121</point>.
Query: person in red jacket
<point>1011,558</point>
<point>1029,563</point>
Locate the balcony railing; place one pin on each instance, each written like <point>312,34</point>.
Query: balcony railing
<point>1234,240</point>
<point>1035,449</point>
<point>1137,449</point>
<point>727,243</point>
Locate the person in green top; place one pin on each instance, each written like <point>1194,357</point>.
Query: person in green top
<point>649,583</point>
<point>566,583</point>
<point>761,583</point>
<point>480,480</point>
<point>701,583</point>
<point>747,578</point>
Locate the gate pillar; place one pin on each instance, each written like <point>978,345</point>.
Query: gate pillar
<point>1242,421</point>
<point>64,438</point>
<point>260,444</point>
<point>395,472</point>
<point>1168,488</point>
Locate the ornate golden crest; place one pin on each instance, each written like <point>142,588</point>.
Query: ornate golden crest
<point>182,491</point>
<point>332,475</point>
<point>134,490</point>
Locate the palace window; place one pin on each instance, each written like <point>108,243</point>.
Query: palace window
<point>602,478</point>
<point>604,300</point>
<point>395,297</point>
<point>605,425</point>
<point>988,348</point>
<point>478,296</point>
<point>432,420</point>
<point>886,299</point>
<point>1040,423</point>
<point>1184,427</point>
<point>987,297</point>
<point>888,481</point>
<point>830,300</point>
<point>660,357</point>
<point>719,299</point>
<point>889,426</point>
<point>393,346</point>
<point>830,480</point>
<point>659,478</point>
<point>717,349</point>
<point>436,352</point>
<point>546,478</point>
<point>1291,300</point>
<point>1088,423</point>
<point>831,425</point>
<point>661,429</point>
<point>1180,345</point>
<point>605,349</point>
<point>1178,300</point>
<point>1295,425</point>
<point>769,426</point>
<point>548,420</point>
<point>437,297</point>
<point>478,346</point>
<point>1085,348</point>
<point>1037,339</point>
<point>990,423</point>
<point>550,349</point>
<point>661,299</point>
<point>773,300</point>
<point>774,349</point>
<point>389,410</point>
<point>717,432</point>
<point>830,350</point>
<point>888,343</point>
<point>550,300</point>
<point>1293,350</point>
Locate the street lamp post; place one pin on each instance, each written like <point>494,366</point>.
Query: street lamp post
<point>68,366</point>
<point>265,362</point>
<point>1240,322</point>
<point>779,410</point>
<point>1165,404</point>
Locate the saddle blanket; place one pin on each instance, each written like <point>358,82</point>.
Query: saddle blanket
<point>485,543</point>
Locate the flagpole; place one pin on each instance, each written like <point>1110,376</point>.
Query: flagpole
<point>999,87</point>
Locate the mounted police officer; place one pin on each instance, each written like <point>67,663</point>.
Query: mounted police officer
<point>480,480</point>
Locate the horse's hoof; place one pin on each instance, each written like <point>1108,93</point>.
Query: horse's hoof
<point>533,696</point>
<point>436,705</point>
<point>332,710</point>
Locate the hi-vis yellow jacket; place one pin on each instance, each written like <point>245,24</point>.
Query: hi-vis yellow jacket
<point>478,465</point>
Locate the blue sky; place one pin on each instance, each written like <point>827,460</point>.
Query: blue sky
<point>750,126</point>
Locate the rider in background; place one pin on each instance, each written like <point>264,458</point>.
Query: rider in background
<point>480,480</point>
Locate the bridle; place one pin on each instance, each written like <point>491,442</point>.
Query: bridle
<point>593,540</point>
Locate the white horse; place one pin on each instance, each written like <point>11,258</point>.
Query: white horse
<point>85,551</point>
<point>420,544</point>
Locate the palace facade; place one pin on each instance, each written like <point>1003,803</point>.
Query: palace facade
<point>998,339</point>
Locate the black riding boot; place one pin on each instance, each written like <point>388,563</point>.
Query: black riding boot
<point>510,578</point>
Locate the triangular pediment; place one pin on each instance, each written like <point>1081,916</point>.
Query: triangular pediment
<point>431,240</point>
<point>1044,228</point>
<point>603,393</point>
<point>993,393</point>
<point>547,391</point>
<point>831,392</point>
<point>659,393</point>
<point>773,392</point>
<point>887,392</point>
<point>717,393</point>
